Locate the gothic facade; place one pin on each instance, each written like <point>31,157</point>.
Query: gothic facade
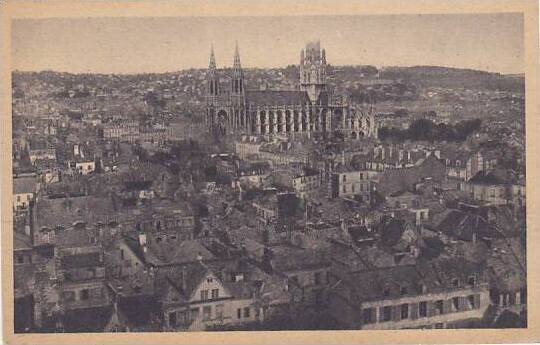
<point>311,109</point>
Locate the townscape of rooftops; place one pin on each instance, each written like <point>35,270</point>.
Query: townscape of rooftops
<point>310,197</point>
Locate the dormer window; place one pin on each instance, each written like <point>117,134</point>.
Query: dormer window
<point>403,290</point>
<point>471,280</point>
<point>455,282</point>
<point>209,280</point>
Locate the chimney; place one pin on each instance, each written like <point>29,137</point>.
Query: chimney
<point>76,150</point>
<point>142,241</point>
<point>184,285</point>
<point>344,230</point>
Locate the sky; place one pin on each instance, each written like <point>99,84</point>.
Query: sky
<point>490,42</point>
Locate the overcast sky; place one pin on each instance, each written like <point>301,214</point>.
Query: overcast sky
<point>491,42</point>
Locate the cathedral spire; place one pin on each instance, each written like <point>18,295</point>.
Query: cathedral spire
<point>212,65</point>
<point>236,65</point>
<point>237,81</point>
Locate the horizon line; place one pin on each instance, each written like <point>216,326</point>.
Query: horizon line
<point>274,67</point>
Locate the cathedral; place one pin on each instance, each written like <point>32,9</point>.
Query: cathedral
<point>310,110</point>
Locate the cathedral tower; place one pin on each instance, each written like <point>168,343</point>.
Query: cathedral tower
<point>313,70</point>
<point>237,80</point>
<point>212,79</point>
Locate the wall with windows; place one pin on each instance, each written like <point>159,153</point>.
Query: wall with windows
<point>22,201</point>
<point>439,310</point>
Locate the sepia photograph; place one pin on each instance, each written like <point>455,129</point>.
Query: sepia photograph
<point>267,172</point>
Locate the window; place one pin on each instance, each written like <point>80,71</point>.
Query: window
<point>69,296</point>
<point>219,311</point>
<point>439,307</point>
<point>439,325</point>
<point>471,280</point>
<point>422,309</point>
<point>344,178</point>
<point>246,312</point>
<point>204,295</point>
<point>471,301</point>
<point>85,294</point>
<point>512,298</point>
<point>404,290</point>
<point>404,311</point>
<point>317,278</point>
<point>361,176</point>
<point>239,313</point>
<point>215,293</point>
<point>207,313</point>
<point>455,282</point>
<point>121,254</point>
<point>367,315</point>
<point>194,313</point>
<point>18,198</point>
<point>344,188</point>
<point>455,304</point>
<point>386,292</point>
<point>172,319</point>
<point>294,279</point>
<point>387,313</point>
<point>209,279</point>
<point>20,259</point>
<point>353,188</point>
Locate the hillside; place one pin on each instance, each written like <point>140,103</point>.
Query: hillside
<point>433,76</point>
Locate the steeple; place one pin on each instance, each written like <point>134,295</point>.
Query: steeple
<point>237,80</point>
<point>212,77</point>
<point>212,64</point>
<point>236,65</point>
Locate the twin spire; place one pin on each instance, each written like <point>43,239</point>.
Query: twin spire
<point>236,63</point>
<point>212,65</point>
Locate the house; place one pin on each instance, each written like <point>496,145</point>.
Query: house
<point>438,294</point>
<point>463,165</point>
<point>40,150</point>
<point>507,274</point>
<point>403,199</point>
<point>394,180</point>
<point>24,189</point>
<point>196,298</point>
<point>455,224</point>
<point>358,184</point>
<point>306,271</point>
<point>496,188</point>
<point>53,215</point>
<point>164,250</point>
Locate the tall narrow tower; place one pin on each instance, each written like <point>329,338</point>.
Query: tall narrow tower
<point>313,70</point>
<point>212,80</point>
<point>237,80</point>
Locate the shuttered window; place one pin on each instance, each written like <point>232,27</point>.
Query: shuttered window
<point>422,309</point>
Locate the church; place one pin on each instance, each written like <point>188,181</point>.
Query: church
<point>310,110</point>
